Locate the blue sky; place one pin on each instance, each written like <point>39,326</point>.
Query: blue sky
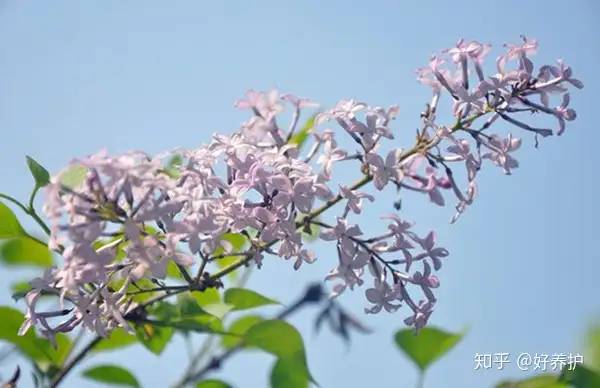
<point>152,75</point>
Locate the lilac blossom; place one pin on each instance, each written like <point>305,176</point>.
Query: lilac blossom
<point>130,220</point>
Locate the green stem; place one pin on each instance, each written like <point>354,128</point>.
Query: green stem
<point>74,344</point>
<point>421,380</point>
<point>32,198</point>
<point>76,360</point>
<point>205,349</point>
<point>16,202</point>
<point>30,211</point>
<point>83,353</point>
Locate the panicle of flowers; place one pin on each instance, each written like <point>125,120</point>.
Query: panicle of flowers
<point>271,193</point>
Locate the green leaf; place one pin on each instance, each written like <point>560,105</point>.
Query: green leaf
<point>63,346</point>
<point>301,136</point>
<point>25,251</point>
<point>213,384</point>
<point>112,375</point>
<point>9,224</point>
<point>205,324</point>
<point>208,296</point>
<point>171,166</point>
<point>282,340</point>
<point>29,345</point>
<point>186,316</point>
<point>154,338</point>
<point>284,374</point>
<point>592,346</point>
<point>313,228</point>
<point>164,311</point>
<point>176,160</point>
<point>426,347</point>
<point>39,173</point>
<point>541,381</point>
<point>244,299</point>
<point>173,272</point>
<point>188,306</point>
<point>238,328</point>
<point>118,339</point>
<point>580,376</point>
<point>218,310</point>
<point>239,242</point>
<point>19,290</point>
<point>171,172</point>
<point>143,283</point>
<point>74,176</point>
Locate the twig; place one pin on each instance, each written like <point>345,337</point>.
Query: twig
<point>313,294</point>
<point>83,353</point>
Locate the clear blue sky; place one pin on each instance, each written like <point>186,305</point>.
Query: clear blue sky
<point>151,75</point>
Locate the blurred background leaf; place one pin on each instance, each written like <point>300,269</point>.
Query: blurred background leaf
<point>282,340</point>
<point>213,384</point>
<point>301,136</point>
<point>285,374</point>
<point>541,381</point>
<point>10,226</point>
<point>426,347</point>
<point>580,377</point>
<point>239,327</point>
<point>25,251</point>
<point>244,299</point>
<point>112,375</point>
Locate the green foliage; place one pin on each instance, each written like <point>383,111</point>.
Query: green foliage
<point>173,272</point>
<point>213,384</point>
<point>19,290</point>
<point>10,227</point>
<point>239,243</point>
<point>580,376</point>
<point>119,247</point>
<point>301,136</point>
<point>282,340</point>
<point>194,318</point>
<point>218,309</point>
<point>185,317</point>
<point>314,229</point>
<point>170,168</point>
<point>426,347</point>
<point>285,374</point>
<point>40,175</point>
<point>592,346</point>
<point>36,349</point>
<point>143,284</point>
<point>112,375</point>
<point>118,339</point>
<point>541,381</point>
<point>154,338</point>
<point>238,328</point>
<point>208,296</point>
<point>74,176</point>
<point>244,299</point>
<point>25,251</point>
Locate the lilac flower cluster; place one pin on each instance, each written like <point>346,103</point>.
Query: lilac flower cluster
<point>270,193</point>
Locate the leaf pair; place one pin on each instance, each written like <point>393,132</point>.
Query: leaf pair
<point>38,350</point>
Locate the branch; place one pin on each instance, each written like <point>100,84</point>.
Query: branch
<point>313,294</point>
<point>64,371</point>
<point>421,147</point>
